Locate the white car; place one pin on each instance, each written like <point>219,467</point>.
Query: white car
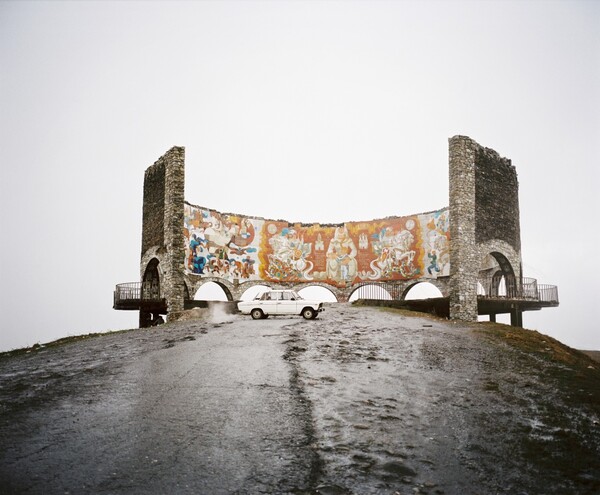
<point>281,302</point>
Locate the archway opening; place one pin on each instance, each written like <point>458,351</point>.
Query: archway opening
<point>423,290</point>
<point>500,286</point>
<point>370,291</point>
<point>253,292</point>
<point>210,291</point>
<point>151,281</point>
<point>480,289</point>
<point>496,277</point>
<point>317,292</point>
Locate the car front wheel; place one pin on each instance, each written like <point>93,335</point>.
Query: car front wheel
<point>308,313</point>
<point>257,314</point>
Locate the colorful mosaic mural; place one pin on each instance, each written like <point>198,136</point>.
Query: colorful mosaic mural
<point>245,248</point>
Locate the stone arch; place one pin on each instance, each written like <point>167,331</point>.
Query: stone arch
<point>151,254</point>
<point>227,287</point>
<point>370,289</point>
<point>503,253</point>
<point>480,289</point>
<point>248,294</point>
<point>152,297</point>
<point>211,291</point>
<point>497,274</point>
<point>238,289</point>
<point>504,275</point>
<point>186,291</point>
<point>244,286</point>
<point>441,289</point>
<point>324,287</point>
<point>334,290</point>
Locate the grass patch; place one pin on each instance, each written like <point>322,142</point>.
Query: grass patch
<point>531,341</point>
<point>569,370</point>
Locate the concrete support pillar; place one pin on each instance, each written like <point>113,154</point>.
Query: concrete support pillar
<point>516,316</point>
<point>145,319</point>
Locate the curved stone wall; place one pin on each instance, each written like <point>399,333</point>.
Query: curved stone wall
<point>446,247</point>
<point>243,248</point>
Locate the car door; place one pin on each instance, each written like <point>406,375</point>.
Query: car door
<point>286,306</point>
<point>269,302</point>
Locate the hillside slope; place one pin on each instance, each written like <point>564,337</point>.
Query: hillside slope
<point>384,402</point>
<point>445,407</point>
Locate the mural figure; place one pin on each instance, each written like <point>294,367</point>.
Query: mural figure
<point>437,244</point>
<point>433,263</point>
<point>196,258</point>
<point>319,244</point>
<point>219,245</point>
<point>247,267</point>
<point>363,241</point>
<point>289,258</point>
<point>341,256</point>
<point>395,258</point>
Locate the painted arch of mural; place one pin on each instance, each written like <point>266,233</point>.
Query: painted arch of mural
<point>247,248</point>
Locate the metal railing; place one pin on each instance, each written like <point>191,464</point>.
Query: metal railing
<point>137,291</point>
<point>548,293</point>
<point>492,287</point>
<point>488,287</point>
<point>500,287</point>
<point>128,291</point>
<point>378,290</point>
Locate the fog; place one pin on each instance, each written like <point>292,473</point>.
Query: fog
<point>306,111</point>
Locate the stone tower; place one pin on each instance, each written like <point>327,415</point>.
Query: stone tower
<point>163,250</point>
<point>484,221</point>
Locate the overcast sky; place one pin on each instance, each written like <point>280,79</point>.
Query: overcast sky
<point>307,111</point>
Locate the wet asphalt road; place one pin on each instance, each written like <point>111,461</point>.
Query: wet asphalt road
<point>359,401</point>
<point>212,415</point>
